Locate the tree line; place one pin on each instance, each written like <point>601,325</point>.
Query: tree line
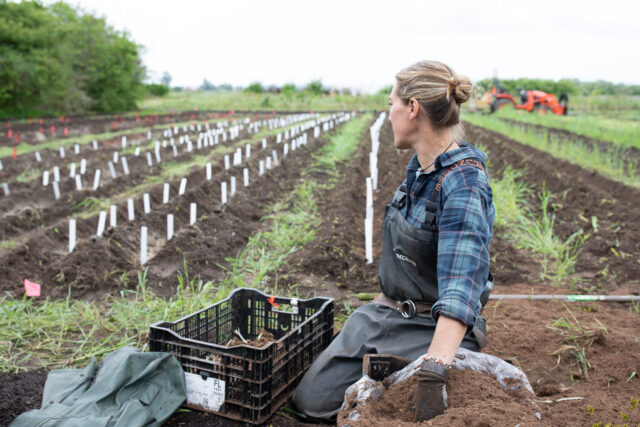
<point>56,60</point>
<point>557,87</point>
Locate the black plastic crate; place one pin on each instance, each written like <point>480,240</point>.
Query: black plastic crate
<point>246,383</point>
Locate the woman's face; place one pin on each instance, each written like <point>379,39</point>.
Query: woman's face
<point>399,116</point>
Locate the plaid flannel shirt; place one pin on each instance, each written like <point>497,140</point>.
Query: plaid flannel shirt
<point>465,214</point>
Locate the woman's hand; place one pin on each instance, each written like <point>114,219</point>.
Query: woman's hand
<point>430,396</point>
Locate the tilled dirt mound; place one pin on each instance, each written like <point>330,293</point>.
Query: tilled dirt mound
<point>475,399</point>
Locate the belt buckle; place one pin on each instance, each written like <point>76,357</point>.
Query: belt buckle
<point>408,314</point>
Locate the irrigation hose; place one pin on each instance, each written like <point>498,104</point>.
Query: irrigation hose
<point>608,298</point>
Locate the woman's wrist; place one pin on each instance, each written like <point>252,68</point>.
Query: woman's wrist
<point>437,360</point>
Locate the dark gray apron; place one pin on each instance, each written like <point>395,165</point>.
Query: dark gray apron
<point>408,271</point>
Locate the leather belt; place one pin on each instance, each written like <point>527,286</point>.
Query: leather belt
<point>407,308</point>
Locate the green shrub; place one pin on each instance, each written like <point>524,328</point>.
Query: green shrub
<point>157,89</point>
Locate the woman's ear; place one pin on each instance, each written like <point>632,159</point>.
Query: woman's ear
<point>414,108</point>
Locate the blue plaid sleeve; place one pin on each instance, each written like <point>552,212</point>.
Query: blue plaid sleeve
<point>466,224</point>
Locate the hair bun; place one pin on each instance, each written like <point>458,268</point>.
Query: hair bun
<point>462,89</point>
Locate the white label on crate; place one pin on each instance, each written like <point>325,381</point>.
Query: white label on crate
<point>209,393</point>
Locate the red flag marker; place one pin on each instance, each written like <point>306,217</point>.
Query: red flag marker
<point>272,301</point>
<point>10,133</point>
<point>40,121</point>
<point>17,138</point>
<point>68,120</point>
<point>32,289</point>
<point>53,129</point>
<point>41,129</point>
<point>61,119</point>
<point>15,152</point>
<point>114,125</point>
<point>66,131</point>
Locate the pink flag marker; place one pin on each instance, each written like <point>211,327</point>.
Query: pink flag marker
<point>32,289</point>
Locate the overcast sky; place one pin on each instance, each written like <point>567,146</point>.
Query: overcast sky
<point>362,44</point>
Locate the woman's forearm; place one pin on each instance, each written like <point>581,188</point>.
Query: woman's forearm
<point>446,339</point>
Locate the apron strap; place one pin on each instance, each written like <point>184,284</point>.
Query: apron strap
<point>400,202</point>
<point>430,222</point>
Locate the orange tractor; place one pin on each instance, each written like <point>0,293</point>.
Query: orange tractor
<point>532,100</point>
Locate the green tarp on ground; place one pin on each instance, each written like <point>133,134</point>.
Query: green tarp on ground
<point>128,388</point>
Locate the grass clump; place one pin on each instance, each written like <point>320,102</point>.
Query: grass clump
<point>533,229</point>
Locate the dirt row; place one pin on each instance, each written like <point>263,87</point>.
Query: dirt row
<point>609,259</point>
<point>99,266</point>
<point>30,133</point>
<point>33,206</point>
<point>629,153</point>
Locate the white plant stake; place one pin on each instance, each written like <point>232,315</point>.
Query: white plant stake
<point>192,213</point>
<point>264,143</point>
<point>56,190</point>
<point>158,158</point>
<point>268,159</point>
<point>5,187</point>
<point>165,194</point>
<point>261,168</point>
<point>183,186</point>
<point>78,183</point>
<point>62,152</point>
<point>143,245</point>
<point>208,169</point>
<point>368,222</point>
<point>247,151</point>
<point>245,175</point>
<point>175,150</point>
<point>96,180</point>
<point>116,157</point>
<point>149,159</point>
<point>112,170</point>
<point>45,178</point>
<point>223,192</point>
<point>274,154</point>
<point>95,145</point>
<point>124,141</point>
<point>72,235</point>
<point>72,170</point>
<point>146,203</point>
<point>125,165</point>
<point>169,226</point>
<point>226,161</point>
<point>76,149</point>
<point>83,166</point>
<point>113,218</point>
<point>149,135</point>
<point>285,150</point>
<point>137,152</point>
<point>38,157</point>
<point>102,220</point>
<point>233,186</point>
<point>130,210</point>
<point>56,174</point>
